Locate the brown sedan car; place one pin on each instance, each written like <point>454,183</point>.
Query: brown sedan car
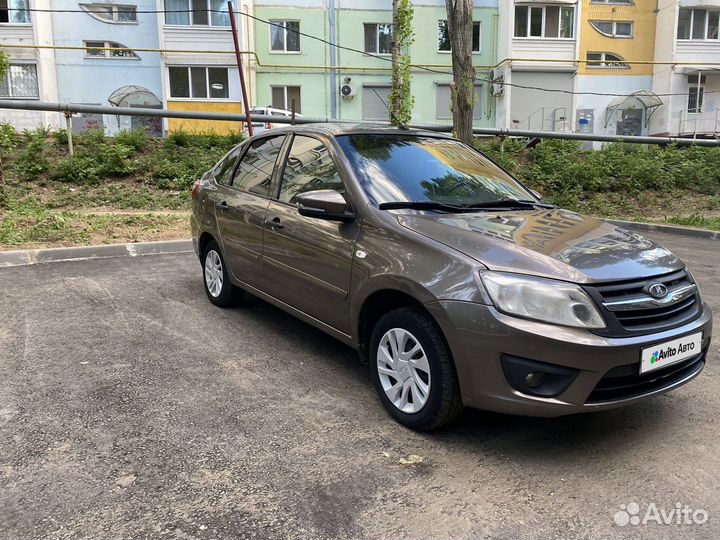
<point>456,283</point>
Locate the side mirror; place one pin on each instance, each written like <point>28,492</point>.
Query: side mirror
<point>324,204</point>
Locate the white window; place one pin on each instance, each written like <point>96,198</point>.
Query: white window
<point>605,60</point>
<point>698,24</point>
<point>108,49</point>
<point>378,38</point>
<point>197,13</point>
<point>284,97</point>
<point>14,11</point>
<point>550,22</point>
<point>112,13</point>
<point>444,37</point>
<point>616,29</point>
<point>198,82</point>
<point>20,82</point>
<point>696,93</point>
<point>285,36</point>
<point>443,100</point>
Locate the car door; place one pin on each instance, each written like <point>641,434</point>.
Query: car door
<point>307,261</point>
<point>241,205</point>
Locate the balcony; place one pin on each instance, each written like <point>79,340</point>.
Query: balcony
<point>703,123</point>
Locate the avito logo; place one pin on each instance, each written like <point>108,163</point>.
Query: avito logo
<point>657,356</point>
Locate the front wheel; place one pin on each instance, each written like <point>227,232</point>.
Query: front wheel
<point>412,370</point>
<point>218,288</point>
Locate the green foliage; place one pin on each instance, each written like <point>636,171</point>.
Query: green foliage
<point>61,136</point>
<point>4,63</point>
<point>77,169</point>
<point>136,139</point>
<point>401,99</point>
<point>8,137</point>
<point>32,160</point>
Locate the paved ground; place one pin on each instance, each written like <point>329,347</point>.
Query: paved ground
<point>130,407</point>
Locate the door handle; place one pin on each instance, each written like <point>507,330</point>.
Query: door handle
<point>274,223</point>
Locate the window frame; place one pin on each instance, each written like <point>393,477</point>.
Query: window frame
<point>107,54</point>
<point>208,10</point>
<point>614,24</point>
<point>449,51</point>
<point>284,50</point>
<point>377,38</point>
<point>10,11</point>
<point>8,77</point>
<point>691,27</point>
<point>190,84</point>
<point>544,7</point>
<point>285,95</point>
<point>91,8</point>
<point>603,62</point>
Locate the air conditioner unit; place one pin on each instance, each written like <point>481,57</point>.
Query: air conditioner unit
<point>496,89</point>
<point>347,91</point>
<point>495,74</point>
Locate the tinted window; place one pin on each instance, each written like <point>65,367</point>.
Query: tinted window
<point>414,168</point>
<point>254,174</point>
<point>224,169</point>
<point>309,167</point>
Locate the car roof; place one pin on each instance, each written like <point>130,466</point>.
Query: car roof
<point>335,129</point>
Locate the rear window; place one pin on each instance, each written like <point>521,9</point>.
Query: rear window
<point>394,168</point>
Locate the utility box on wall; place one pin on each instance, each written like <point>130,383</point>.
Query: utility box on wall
<point>585,124</point>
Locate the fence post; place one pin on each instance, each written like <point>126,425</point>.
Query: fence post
<point>68,129</point>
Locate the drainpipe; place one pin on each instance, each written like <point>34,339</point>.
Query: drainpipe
<point>333,61</point>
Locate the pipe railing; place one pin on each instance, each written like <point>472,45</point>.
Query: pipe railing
<point>73,108</point>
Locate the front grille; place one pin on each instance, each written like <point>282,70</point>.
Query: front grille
<point>629,310</point>
<point>624,382</point>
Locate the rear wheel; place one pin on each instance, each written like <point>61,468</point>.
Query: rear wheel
<point>215,277</point>
<point>412,370</point>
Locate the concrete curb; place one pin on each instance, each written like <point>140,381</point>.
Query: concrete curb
<point>36,256</point>
<point>705,234</point>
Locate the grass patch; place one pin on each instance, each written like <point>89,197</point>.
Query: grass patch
<point>695,221</point>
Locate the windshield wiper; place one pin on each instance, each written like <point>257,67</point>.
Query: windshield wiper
<point>509,203</point>
<point>421,205</point>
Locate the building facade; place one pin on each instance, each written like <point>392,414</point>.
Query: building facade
<point>611,67</point>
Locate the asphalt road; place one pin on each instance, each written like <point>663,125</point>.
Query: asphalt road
<point>131,407</point>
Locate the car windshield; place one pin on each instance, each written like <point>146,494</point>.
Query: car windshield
<point>395,168</point>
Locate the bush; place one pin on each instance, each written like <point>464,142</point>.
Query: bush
<point>136,139</point>
<point>8,136</point>
<point>114,161</point>
<point>32,161</point>
<point>77,170</point>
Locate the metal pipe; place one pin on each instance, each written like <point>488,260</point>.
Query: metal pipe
<point>238,59</point>
<point>498,132</point>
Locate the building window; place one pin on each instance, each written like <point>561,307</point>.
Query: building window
<point>444,37</point>
<point>14,11</point>
<point>443,100</point>
<point>283,97</point>
<point>198,82</point>
<point>378,38</point>
<point>696,93</point>
<point>285,36</point>
<point>619,2</point>
<point>197,13</point>
<point>544,21</point>
<point>698,24</point>
<point>605,60</point>
<point>375,102</point>
<point>20,82</point>
<point>615,29</point>
<point>108,49</point>
<point>112,13</point>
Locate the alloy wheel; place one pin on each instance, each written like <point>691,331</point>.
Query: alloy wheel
<point>213,273</point>
<point>404,370</point>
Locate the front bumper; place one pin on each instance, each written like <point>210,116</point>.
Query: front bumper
<point>478,335</point>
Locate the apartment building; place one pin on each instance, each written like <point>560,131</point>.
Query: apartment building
<point>354,82</point>
<point>687,49</point>
<point>32,69</point>
<point>614,34</point>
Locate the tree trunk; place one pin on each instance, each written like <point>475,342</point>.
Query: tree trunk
<point>460,28</point>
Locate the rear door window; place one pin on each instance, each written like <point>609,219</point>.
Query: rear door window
<point>254,173</point>
<point>224,169</point>
<point>309,167</point>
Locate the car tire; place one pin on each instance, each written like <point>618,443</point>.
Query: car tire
<point>217,284</point>
<point>429,396</point>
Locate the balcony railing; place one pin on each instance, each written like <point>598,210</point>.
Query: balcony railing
<point>702,123</point>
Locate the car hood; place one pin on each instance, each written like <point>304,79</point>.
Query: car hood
<point>552,243</point>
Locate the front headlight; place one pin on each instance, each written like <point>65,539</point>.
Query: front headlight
<point>541,299</point>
